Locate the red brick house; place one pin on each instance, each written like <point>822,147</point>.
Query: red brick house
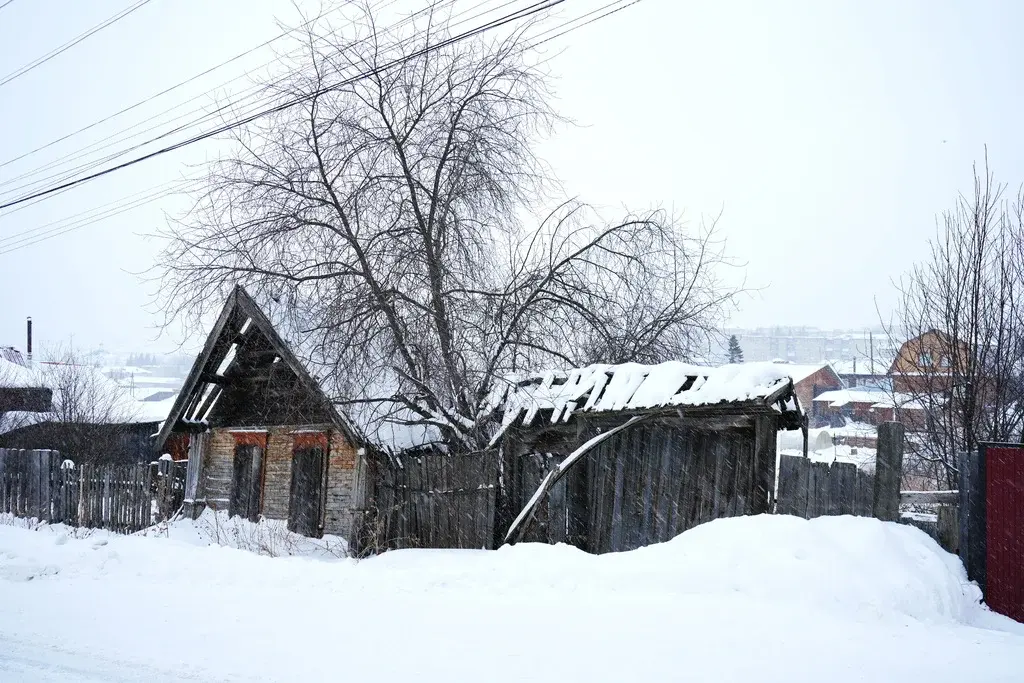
<point>810,381</point>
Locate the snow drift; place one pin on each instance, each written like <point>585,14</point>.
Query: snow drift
<point>768,598</point>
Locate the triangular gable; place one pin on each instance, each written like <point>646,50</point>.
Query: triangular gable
<point>203,386</point>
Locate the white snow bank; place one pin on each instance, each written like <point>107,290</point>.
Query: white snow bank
<point>269,537</point>
<point>763,598</point>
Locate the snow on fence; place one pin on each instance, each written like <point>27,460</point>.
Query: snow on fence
<point>43,485</point>
<point>433,500</point>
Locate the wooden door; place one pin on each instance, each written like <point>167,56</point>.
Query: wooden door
<point>246,482</point>
<point>1004,584</point>
<point>305,510</point>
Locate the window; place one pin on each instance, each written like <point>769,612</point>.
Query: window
<point>944,361</point>
<point>924,359</point>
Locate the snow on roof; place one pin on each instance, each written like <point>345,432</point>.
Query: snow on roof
<point>16,375</point>
<point>861,367</point>
<point>877,398</point>
<point>631,386</point>
<point>16,419</point>
<point>800,372</point>
<point>152,411</point>
<point>841,397</point>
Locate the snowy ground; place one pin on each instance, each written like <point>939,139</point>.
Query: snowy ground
<point>752,599</point>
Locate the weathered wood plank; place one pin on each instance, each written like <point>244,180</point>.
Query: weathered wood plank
<point>792,499</point>
<point>842,488</point>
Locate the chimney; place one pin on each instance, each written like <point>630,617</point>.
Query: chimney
<point>28,339</point>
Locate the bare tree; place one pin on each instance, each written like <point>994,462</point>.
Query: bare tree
<point>382,221</point>
<point>89,415</point>
<point>963,367</point>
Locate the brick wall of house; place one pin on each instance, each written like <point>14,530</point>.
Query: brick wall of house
<point>825,379</point>
<point>341,468</point>
<point>277,472</point>
<point>218,466</point>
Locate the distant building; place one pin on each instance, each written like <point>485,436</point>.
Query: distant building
<point>924,364</point>
<point>809,344</point>
<point>864,373</point>
<point>809,381</point>
<point>20,390</point>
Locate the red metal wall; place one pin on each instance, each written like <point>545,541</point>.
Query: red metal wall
<point>1004,483</point>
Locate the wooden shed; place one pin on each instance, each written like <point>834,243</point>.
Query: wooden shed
<point>262,437</point>
<point>614,457</point>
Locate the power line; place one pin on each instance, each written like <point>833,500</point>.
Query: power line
<point>6,4</point>
<point>203,118</point>
<point>70,44</point>
<point>431,7</point>
<point>86,218</point>
<point>120,136</point>
<point>532,10</point>
<point>38,234</point>
<point>172,88</point>
<point>585,23</point>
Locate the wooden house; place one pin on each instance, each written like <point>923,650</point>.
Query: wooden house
<point>611,458</point>
<point>925,363</point>
<point>261,436</point>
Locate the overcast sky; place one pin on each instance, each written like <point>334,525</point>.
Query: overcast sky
<point>829,134</point>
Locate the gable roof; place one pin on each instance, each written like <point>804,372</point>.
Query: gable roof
<point>635,387</point>
<point>198,395</point>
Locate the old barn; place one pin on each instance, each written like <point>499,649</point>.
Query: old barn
<point>260,435</point>
<point>614,457</point>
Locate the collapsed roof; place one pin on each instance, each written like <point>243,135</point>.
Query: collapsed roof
<point>631,387</point>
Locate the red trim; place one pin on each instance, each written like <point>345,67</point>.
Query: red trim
<point>250,439</point>
<point>310,440</point>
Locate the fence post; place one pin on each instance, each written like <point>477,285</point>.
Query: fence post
<point>165,471</point>
<point>3,481</point>
<point>888,472</point>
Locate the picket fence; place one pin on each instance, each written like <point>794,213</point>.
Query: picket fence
<point>43,485</point>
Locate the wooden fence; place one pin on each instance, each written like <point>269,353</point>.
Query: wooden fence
<point>434,500</point>
<point>41,484</point>
<point>644,485</point>
<point>814,489</point>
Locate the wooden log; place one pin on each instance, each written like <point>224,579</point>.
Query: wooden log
<point>888,472</point>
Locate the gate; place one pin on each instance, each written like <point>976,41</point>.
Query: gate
<point>993,498</point>
<point>1004,475</point>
